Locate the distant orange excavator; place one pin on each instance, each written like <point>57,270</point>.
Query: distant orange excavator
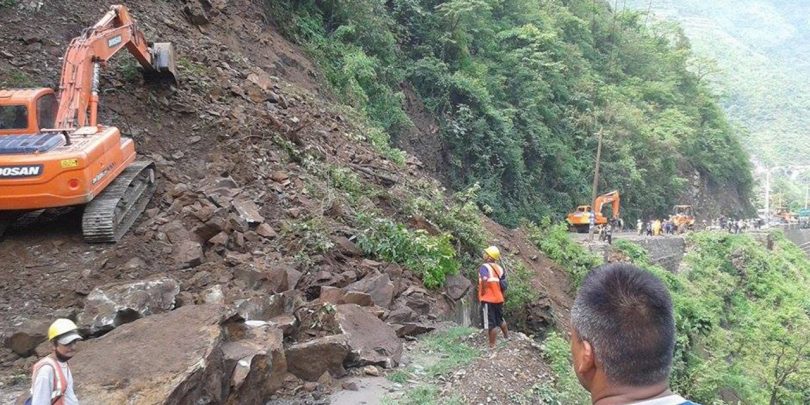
<point>55,153</point>
<point>579,220</point>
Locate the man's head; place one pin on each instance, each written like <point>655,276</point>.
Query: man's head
<point>623,328</point>
<point>63,335</point>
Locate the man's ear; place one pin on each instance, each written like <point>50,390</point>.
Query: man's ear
<point>584,360</point>
<point>587,360</point>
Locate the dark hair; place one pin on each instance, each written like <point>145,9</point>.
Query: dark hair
<point>625,313</point>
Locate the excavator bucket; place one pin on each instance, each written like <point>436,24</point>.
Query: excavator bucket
<point>163,63</point>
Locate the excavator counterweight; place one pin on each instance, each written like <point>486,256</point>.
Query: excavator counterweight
<point>54,153</point>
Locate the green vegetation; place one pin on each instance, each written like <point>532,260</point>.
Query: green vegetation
<point>426,394</point>
<point>447,352</point>
<point>17,79</point>
<point>553,240</point>
<point>433,258</point>
<point>520,295</point>
<point>8,3</point>
<point>743,319</point>
<point>452,351</point>
<point>520,89</point>
<point>399,377</point>
<point>565,389</point>
<point>754,53</point>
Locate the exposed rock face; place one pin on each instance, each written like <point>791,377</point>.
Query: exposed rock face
<point>188,254</point>
<point>309,360</point>
<point>371,341</point>
<point>378,286</point>
<point>261,308</point>
<point>256,364</point>
<point>456,286</point>
<point>171,358</point>
<point>27,336</point>
<point>110,306</point>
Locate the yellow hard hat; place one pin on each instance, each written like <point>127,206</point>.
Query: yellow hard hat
<point>60,327</point>
<point>493,252</point>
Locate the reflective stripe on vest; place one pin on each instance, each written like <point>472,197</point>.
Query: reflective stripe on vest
<point>493,268</point>
<point>60,388</point>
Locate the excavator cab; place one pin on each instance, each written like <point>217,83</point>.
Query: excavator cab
<point>26,111</point>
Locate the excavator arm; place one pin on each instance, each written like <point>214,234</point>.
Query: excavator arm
<point>78,88</point>
<point>613,198</point>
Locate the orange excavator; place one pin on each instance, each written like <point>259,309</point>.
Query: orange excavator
<point>54,153</point>
<point>579,220</point>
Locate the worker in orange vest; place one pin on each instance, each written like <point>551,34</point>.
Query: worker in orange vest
<point>490,278</point>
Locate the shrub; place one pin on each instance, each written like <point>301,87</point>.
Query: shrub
<point>553,240</point>
<point>433,258</point>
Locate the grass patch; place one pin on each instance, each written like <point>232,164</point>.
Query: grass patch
<point>399,377</point>
<point>191,68</point>
<point>426,394</point>
<point>553,240</point>
<point>566,388</point>
<point>18,79</point>
<point>520,293</point>
<point>452,353</point>
<point>8,3</point>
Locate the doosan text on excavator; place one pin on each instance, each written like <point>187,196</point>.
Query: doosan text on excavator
<point>53,151</point>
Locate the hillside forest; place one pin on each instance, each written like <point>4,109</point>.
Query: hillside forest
<point>521,91</point>
<point>754,55</point>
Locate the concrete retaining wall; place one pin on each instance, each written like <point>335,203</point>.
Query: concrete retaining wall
<point>800,237</point>
<point>665,251</point>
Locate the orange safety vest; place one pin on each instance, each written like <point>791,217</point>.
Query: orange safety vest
<point>60,382</point>
<point>492,294</point>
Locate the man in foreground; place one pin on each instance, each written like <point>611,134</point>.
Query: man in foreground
<point>623,337</point>
<point>52,381</point>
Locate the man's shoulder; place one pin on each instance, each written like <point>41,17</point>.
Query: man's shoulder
<point>673,399</point>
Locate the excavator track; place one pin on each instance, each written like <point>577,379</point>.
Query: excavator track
<point>108,217</point>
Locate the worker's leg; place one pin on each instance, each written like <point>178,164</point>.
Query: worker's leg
<point>505,330</point>
<point>492,334</point>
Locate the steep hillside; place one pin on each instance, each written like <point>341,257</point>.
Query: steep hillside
<point>520,93</point>
<point>761,53</point>
<point>755,55</point>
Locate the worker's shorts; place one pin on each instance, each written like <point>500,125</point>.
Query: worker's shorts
<point>492,315</point>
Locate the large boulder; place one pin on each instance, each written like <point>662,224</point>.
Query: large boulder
<point>188,253</point>
<point>110,306</point>
<point>256,364</point>
<point>171,358</point>
<point>261,308</point>
<point>378,286</point>
<point>309,360</point>
<point>456,286</point>
<point>371,341</point>
<point>26,336</point>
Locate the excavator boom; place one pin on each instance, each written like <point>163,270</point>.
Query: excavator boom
<point>78,87</point>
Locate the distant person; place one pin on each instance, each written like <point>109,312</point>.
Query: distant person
<point>609,233</point>
<point>491,295</point>
<point>657,227</point>
<point>623,337</point>
<point>52,381</point>
<point>649,228</point>
<point>591,224</point>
